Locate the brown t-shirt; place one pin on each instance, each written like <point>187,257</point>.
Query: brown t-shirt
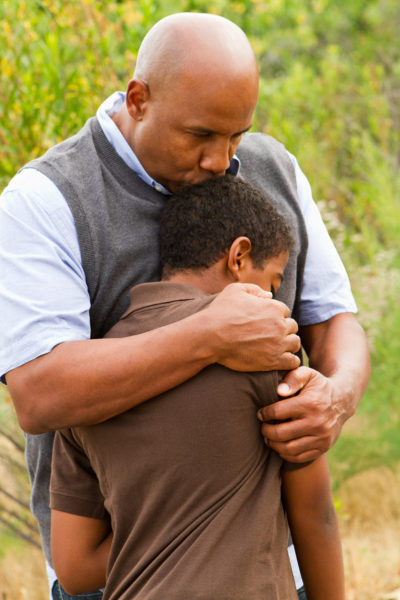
<point>192,491</point>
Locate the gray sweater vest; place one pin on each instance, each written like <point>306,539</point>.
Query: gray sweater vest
<point>117,218</point>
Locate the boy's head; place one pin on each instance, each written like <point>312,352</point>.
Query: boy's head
<point>220,231</point>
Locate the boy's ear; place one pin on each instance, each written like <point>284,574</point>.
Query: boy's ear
<point>239,256</point>
<point>137,96</point>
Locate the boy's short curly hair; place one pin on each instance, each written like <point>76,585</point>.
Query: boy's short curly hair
<point>200,222</point>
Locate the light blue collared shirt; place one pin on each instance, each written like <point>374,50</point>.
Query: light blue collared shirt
<point>119,143</point>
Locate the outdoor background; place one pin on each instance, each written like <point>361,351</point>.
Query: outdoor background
<point>330,91</point>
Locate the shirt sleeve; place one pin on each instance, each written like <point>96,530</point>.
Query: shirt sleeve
<point>74,486</point>
<point>44,298</point>
<point>326,288</point>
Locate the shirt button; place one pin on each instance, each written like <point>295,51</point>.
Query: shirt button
<point>157,187</point>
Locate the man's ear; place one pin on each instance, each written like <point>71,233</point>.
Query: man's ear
<point>239,255</point>
<point>137,96</point>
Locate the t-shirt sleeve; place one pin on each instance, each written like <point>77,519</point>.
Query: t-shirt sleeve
<point>74,487</point>
<point>44,299</point>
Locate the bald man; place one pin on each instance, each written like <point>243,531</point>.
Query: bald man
<point>79,228</point>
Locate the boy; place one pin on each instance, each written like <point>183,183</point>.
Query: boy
<point>180,498</point>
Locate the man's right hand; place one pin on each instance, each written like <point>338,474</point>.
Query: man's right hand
<point>252,332</point>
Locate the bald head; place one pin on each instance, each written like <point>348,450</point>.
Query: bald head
<point>193,95</point>
<point>194,44</point>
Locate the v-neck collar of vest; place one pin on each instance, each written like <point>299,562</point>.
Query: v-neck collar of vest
<point>122,172</point>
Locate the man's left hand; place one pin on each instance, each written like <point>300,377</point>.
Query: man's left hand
<point>311,414</point>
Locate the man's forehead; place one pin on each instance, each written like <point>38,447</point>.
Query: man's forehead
<point>208,113</point>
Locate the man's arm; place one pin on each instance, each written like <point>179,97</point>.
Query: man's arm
<point>327,393</point>
<point>89,381</point>
<point>80,547</point>
<point>314,528</point>
<point>57,382</point>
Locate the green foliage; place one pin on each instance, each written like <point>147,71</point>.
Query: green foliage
<point>372,437</point>
<point>55,66</point>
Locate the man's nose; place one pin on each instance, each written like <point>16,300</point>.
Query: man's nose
<point>216,157</point>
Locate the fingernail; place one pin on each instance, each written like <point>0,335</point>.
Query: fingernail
<point>259,416</point>
<point>283,389</point>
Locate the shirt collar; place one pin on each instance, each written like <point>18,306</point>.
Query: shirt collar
<point>154,293</point>
<point>119,143</point>
<point>234,166</point>
<point>109,107</point>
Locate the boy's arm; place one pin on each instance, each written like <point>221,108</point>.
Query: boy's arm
<point>315,531</point>
<point>80,525</point>
<point>80,547</point>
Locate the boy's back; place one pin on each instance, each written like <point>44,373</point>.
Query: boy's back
<point>193,492</point>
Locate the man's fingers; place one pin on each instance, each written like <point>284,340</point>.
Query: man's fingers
<point>298,451</point>
<point>289,408</point>
<point>253,332</point>
<point>291,326</point>
<point>294,381</point>
<point>294,438</point>
<point>288,361</point>
<point>254,290</point>
<point>293,343</point>
<point>284,310</point>
<point>283,432</point>
<point>303,426</point>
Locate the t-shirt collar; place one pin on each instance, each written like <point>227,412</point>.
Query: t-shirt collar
<point>160,292</point>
